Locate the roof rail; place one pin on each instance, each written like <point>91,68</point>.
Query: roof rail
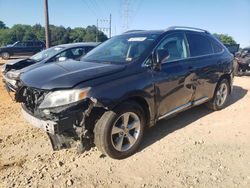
<point>186,28</point>
<point>130,31</point>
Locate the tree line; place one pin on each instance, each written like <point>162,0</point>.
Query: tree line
<point>62,35</point>
<point>59,34</point>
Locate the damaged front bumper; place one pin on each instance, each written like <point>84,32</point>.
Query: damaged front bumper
<point>47,126</point>
<point>67,128</point>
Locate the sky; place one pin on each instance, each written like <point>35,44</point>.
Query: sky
<point>230,17</point>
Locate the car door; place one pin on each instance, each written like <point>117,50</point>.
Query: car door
<point>37,47</point>
<point>29,49</point>
<point>205,65</point>
<point>173,82</point>
<point>18,48</point>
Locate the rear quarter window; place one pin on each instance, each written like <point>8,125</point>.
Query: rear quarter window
<point>199,45</point>
<point>217,48</point>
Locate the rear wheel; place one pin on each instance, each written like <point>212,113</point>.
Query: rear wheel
<point>220,96</point>
<point>5,55</point>
<point>119,133</point>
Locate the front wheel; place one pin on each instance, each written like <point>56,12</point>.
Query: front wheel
<point>118,133</point>
<point>220,96</point>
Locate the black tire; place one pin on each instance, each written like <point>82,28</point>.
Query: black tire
<point>104,135</point>
<point>213,103</point>
<point>5,55</point>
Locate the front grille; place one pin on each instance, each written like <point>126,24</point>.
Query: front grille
<point>30,97</point>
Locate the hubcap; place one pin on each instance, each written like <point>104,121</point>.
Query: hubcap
<point>222,94</point>
<point>125,131</point>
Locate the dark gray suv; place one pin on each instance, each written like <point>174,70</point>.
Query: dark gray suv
<point>125,85</point>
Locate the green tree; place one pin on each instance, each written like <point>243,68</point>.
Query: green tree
<point>91,32</point>
<point>77,34</point>
<point>39,31</point>
<point>59,34</point>
<point>2,25</point>
<point>6,37</point>
<point>225,39</point>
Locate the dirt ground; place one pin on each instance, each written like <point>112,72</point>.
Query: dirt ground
<point>197,148</point>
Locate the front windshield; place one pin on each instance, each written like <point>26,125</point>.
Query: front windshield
<point>46,53</point>
<point>121,49</point>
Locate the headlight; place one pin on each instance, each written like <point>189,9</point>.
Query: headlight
<point>13,75</point>
<point>64,97</point>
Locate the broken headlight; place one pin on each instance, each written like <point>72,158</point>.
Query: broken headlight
<point>63,97</point>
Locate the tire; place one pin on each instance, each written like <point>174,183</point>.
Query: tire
<point>114,139</point>
<point>5,55</point>
<point>221,93</point>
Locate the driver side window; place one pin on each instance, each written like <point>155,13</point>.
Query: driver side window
<point>175,45</point>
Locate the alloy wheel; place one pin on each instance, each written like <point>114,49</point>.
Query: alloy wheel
<point>125,131</point>
<point>221,94</point>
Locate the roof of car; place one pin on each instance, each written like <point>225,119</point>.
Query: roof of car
<point>78,44</point>
<point>182,28</point>
<point>144,32</point>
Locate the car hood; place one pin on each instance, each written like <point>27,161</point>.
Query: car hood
<point>18,64</point>
<point>12,62</point>
<point>67,74</point>
<point>6,47</point>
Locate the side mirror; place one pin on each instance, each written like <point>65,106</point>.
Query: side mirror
<point>62,59</point>
<point>161,55</point>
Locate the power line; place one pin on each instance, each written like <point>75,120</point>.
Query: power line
<point>96,5</point>
<point>104,25</point>
<point>125,15</point>
<point>90,7</point>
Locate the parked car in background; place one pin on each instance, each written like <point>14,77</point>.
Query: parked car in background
<point>74,51</point>
<point>25,48</point>
<point>124,85</point>
<point>232,48</point>
<point>243,61</point>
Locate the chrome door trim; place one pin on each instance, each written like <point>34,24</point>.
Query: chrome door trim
<point>200,101</point>
<point>185,106</point>
<point>178,109</point>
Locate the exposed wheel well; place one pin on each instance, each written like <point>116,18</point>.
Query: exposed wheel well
<point>143,103</point>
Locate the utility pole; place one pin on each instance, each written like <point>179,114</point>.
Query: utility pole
<point>97,31</point>
<point>125,15</point>
<point>47,32</point>
<point>110,26</point>
<point>104,25</point>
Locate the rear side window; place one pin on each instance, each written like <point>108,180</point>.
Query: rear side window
<point>199,45</point>
<point>217,47</point>
<point>29,44</point>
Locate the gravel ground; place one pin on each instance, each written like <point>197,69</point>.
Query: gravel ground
<point>197,148</point>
